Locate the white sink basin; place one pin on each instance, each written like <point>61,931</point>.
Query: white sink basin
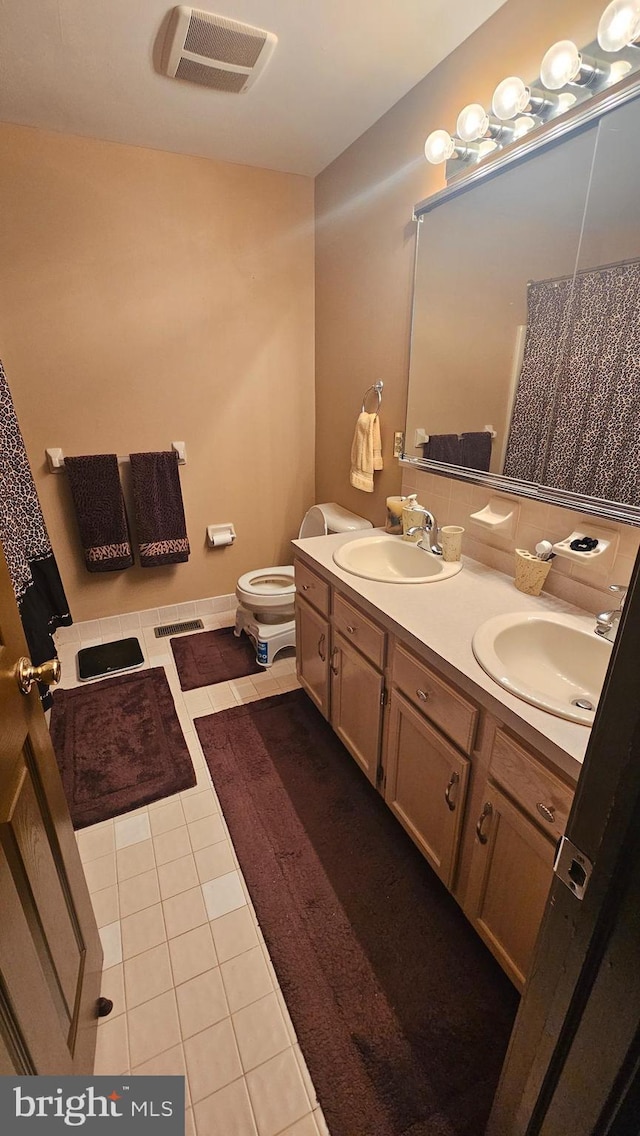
<point>392,560</point>
<point>551,661</point>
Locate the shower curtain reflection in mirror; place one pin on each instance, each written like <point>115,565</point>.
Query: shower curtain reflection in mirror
<point>576,415</point>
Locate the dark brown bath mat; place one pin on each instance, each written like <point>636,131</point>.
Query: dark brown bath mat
<point>401,1012</point>
<point>213,656</point>
<point>119,745</point>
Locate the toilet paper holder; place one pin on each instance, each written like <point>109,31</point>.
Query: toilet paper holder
<point>220,536</point>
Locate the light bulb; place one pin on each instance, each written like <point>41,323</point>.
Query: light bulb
<point>561,65</point>
<point>523,124</point>
<point>439,147</point>
<point>510,98</point>
<point>619,25</point>
<point>473,121</point>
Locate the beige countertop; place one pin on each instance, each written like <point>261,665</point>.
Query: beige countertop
<point>439,619</point>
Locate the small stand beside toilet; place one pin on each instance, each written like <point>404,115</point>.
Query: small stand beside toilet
<point>266,597</point>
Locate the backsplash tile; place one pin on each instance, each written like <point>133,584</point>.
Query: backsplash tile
<point>453,501</point>
<point>137,621</point>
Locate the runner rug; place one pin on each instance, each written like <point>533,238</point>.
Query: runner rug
<point>401,1012</point>
<point>213,656</point>
<point>119,745</point>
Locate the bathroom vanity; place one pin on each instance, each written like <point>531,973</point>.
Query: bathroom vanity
<point>481,781</point>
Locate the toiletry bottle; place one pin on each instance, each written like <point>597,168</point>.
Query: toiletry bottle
<point>412,515</point>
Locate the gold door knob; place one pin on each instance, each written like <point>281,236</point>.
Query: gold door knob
<point>49,673</point>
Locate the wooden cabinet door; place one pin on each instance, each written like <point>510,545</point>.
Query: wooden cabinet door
<point>357,690</point>
<point>312,654</point>
<point>425,786</point>
<point>50,952</point>
<point>511,873</point>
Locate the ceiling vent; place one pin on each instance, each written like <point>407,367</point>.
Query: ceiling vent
<point>214,51</point>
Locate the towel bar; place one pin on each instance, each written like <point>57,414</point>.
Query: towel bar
<point>55,456</point>
<point>377,390</point>
<point>421,436</point>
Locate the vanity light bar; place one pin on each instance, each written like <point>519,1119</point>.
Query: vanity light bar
<point>518,108</point>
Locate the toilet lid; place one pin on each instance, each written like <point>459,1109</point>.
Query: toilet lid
<point>278,581</point>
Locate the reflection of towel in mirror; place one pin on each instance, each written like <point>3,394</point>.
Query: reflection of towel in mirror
<point>443,448</point>
<point>476,450</point>
<point>366,452</point>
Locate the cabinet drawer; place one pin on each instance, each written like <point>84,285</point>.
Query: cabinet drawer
<point>545,798</point>
<point>454,714</point>
<point>359,630</point>
<point>312,587</point>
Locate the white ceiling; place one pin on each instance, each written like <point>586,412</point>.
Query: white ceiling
<point>87,67</point>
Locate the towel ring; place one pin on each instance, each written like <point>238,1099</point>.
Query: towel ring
<point>377,390</point>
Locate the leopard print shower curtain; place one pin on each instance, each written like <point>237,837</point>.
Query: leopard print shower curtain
<point>32,567</point>
<point>576,416</point>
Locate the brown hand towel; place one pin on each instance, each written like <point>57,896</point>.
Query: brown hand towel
<point>99,505</point>
<point>162,531</point>
<point>443,448</point>
<point>476,450</point>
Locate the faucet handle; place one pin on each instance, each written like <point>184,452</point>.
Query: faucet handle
<point>621,590</point>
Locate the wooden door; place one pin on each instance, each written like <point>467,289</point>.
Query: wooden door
<point>312,654</point>
<point>425,786</point>
<point>573,1063</point>
<point>357,691</point>
<point>511,873</point>
<point>50,952</point>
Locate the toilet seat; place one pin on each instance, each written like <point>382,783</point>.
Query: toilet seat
<point>266,597</point>
<point>267,588</point>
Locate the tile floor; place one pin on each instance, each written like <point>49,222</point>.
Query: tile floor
<point>185,962</point>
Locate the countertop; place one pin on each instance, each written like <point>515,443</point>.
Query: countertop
<point>438,619</point>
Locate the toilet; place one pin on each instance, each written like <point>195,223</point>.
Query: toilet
<point>266,596</point>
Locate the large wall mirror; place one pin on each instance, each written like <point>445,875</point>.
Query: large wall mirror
<point>527,320</point>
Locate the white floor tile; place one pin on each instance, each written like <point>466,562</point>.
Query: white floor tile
<point>132,830</point>
<point>223,895</point>
<point>197,701</point>
<point>193,954</point>
<point>112,1049</point>
<point>111,939</point>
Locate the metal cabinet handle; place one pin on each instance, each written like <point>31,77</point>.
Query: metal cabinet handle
<point>453,780</point>
<point>351,630</point>
<point>305,587</point>
<point>423,695</point>
<point>547,812</point>
<point>320,646</point>
<point>334,651</point>
<point>486,812</point>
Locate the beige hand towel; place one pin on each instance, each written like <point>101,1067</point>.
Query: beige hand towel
<point>366,452</point>
<point>377,444</point>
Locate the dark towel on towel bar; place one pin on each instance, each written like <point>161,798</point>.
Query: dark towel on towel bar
<point>97,497</point>
<point>443,448</point>
<point>162,531</point>
<point>476,450</point>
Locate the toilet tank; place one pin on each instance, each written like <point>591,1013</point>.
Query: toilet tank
<point>330,518</point>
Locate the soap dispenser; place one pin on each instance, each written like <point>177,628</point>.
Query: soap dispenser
<point>412,516</point>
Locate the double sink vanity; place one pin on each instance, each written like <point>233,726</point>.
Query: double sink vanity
<point>397,650</point>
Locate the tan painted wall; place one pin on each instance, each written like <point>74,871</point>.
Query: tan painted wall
<point>146,297</point>
<point>365,237</point>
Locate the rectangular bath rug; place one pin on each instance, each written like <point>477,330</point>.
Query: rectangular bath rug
<point>401,1012</point>
<point>119,745</point>
<point>209,657</point>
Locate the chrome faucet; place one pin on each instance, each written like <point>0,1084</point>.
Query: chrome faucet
<point>608,621</point>
<point>429,526</point>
